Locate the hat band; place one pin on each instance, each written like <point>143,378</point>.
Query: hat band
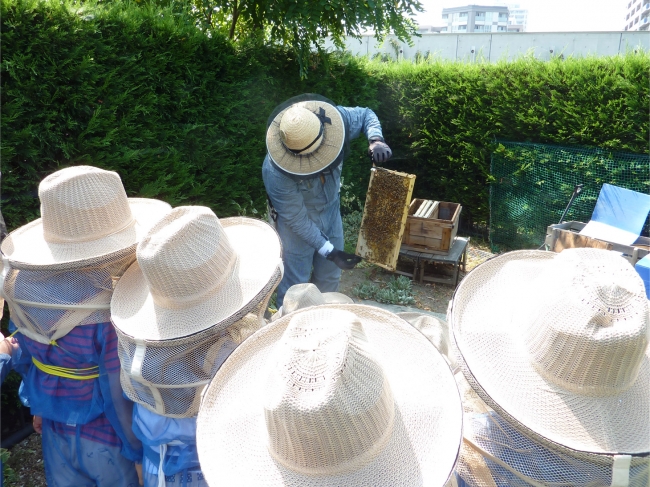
<point>56,239</point>
<point>590,389</point>
<point>181,302</point>
<point>323,120</point>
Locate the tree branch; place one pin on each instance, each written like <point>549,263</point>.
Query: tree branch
<point>235,16</point>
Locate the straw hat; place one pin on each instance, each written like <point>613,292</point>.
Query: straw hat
<point>194,271</point>
<point>85,217</point>
<point>305,137</point>
<point>557,344</point>
<point>332,395</point>
<point>305,295</point>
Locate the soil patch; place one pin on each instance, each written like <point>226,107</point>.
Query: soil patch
<point>428,296</point>
<point>26,461</point>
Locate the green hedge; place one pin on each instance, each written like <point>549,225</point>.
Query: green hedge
<point>182,116</point>
<point>443,118</point>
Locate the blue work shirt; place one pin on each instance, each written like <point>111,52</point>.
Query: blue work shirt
<point>294,200</point>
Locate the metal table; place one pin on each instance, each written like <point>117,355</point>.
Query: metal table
<point>456,257</point>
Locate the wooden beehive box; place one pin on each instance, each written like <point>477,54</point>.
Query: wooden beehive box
<point>435,234</point>
<point>384,216</point>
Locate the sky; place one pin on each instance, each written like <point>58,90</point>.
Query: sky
<point>546,15</point>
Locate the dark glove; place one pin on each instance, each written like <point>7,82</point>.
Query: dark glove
<point>343,260</point>
<point>379,151</point>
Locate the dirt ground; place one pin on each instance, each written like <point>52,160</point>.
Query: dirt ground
<point>26,460</point>
<point>428,296</point>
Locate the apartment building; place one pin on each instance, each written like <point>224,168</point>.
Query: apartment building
<point>638,15</point>
<point>517,18</point>
<point>475,18</point>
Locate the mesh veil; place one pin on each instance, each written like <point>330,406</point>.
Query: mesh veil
<point>47,303</point>
<point>495,454</point>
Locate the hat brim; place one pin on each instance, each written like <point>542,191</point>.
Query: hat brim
<point>488,335</point>
<point>316,161</point>
<point>27,249</point>
<point>328,298</point>
<point>253,277</point>
<point>424,446</point>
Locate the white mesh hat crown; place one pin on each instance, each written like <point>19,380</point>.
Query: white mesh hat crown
<point>304,295</point>
<point>85,216</point>
<point>557,344</point>
<point>331,395</point>
<point>194,271</point>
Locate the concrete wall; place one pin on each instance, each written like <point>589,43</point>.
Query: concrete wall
<point>505,45</point>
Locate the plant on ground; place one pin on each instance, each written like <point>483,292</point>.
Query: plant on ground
<point>366,290</point>
<point>8,473</point>
<point>398,290</point>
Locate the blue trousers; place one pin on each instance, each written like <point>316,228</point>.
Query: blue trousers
<point>302,263</point>
<point>79,462</point>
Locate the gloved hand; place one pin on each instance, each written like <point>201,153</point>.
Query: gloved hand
<point>343,260</point>
<point>379,151</point>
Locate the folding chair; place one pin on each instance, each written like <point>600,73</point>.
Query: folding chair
<point>619,215</point>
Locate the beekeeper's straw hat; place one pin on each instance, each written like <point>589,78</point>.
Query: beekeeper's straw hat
<point>305,135</point>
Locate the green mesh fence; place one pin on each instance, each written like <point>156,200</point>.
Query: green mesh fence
<point>533,184</point>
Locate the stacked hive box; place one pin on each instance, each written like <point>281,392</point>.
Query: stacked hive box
<point>431,226</point>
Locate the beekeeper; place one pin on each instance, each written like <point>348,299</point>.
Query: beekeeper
<point>307,139</point>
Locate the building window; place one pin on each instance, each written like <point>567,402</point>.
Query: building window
<point>480,14</point>
<point>445,16</point>
<point>636,21</point>
<point>444,29</point>
<point>462,27</point>
<point>627,17</point>
<point>503,16</point>
<point>501,28</point>
<point>462,14</point>
<point>638,7</point>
